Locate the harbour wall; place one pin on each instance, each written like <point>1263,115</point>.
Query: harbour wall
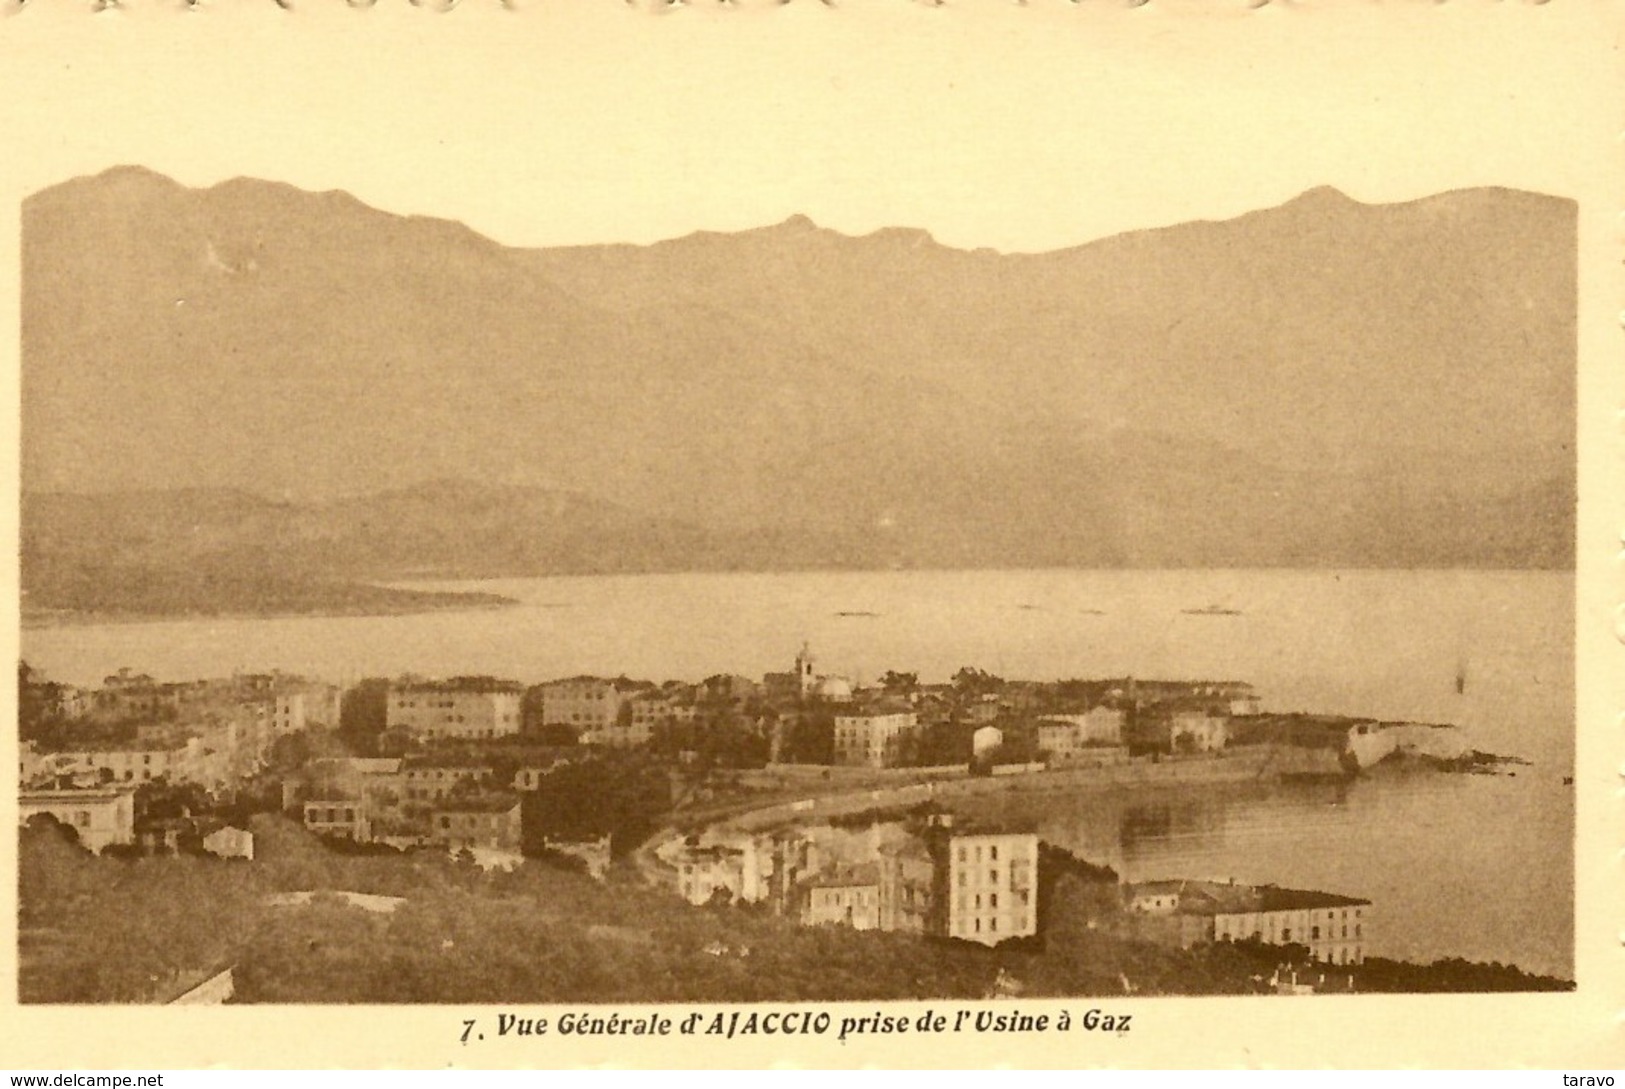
<point>1259,763</point>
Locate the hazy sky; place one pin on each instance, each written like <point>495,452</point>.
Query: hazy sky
<point>988,124</point>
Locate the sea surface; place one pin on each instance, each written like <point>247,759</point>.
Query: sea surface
<point>1475,866</point>
<point>1469,866</point>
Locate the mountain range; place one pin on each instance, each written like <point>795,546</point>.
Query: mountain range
<point>251,377</point>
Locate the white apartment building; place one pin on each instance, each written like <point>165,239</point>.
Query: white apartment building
<point>648,712</point>
<point>1097,726</point>
<point>992,886</point>
<point>873,739</point>
<point>137,763</point>
<point>1331,926</point>
<point>467,708</point>
<point>299,709</point>
<point>592,706</point>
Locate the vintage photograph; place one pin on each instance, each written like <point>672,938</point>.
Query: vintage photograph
<point>1077,558</point>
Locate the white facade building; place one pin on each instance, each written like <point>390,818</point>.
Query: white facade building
<point>101,817</point>
<point>985,740</point>
<point>597,709</point>
<point>461,709</point>
<point>992,887</point>
<point>1330,926</point>
<point>300,709</point>
<point>1096,727</point>
<point>873,739</point>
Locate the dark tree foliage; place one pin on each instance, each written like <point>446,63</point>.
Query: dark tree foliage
<point>530,708</point>
<point>1018,746</point>
<point>105,930</point>
<point>32,718</point>
<point>972,681</point>
<point>943,743</point>
<point>721,739</point>
<point>555,734</point>
<point>809,738</point>
<point>45,828</point>
<point>618,793</point>
<point>1450,974</point>
<point>363,714</point>
<point>897,683</point>
<point>290,752</point>
<point>1073,892</point>
<point>162,800</point>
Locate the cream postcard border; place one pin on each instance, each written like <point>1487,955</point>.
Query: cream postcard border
<point>82,87</point>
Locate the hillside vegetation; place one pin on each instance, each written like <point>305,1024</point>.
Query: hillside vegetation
<point>107,930</point>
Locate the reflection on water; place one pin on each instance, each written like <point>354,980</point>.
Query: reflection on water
<point>1456,865</point>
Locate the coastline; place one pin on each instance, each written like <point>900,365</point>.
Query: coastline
<point>47,619</point>
<point>1252,765</point>
<point>1153,791</point>
<point>466,586</point>
<point>851,808</point>
<point>1238,767</point>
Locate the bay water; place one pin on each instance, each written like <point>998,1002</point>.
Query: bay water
<point>1474,866</point>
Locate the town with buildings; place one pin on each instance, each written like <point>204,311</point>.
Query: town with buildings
<point>805,795</point>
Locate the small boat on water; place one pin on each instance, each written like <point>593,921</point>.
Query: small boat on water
<point>864,613</point>
<point>1461,676</point>
<point>1211,610</point>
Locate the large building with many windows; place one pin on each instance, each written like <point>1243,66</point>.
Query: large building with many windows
<point>597,709</point>
<point>463,708</point>
<point>133,762</point>
<point>1063,734</point>
<point>648,712</point>
<point>987,883</point>
<point>299,707</point>
<point>425,780</point>
<point>974,882</point>
<point>1330,926</point>
<point>874,738</point>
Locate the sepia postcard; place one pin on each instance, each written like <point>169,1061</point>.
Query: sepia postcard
<point>875,534</point>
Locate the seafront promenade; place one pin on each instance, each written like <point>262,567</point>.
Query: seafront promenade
<point>1228,767</point>
<point>806,795</point>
